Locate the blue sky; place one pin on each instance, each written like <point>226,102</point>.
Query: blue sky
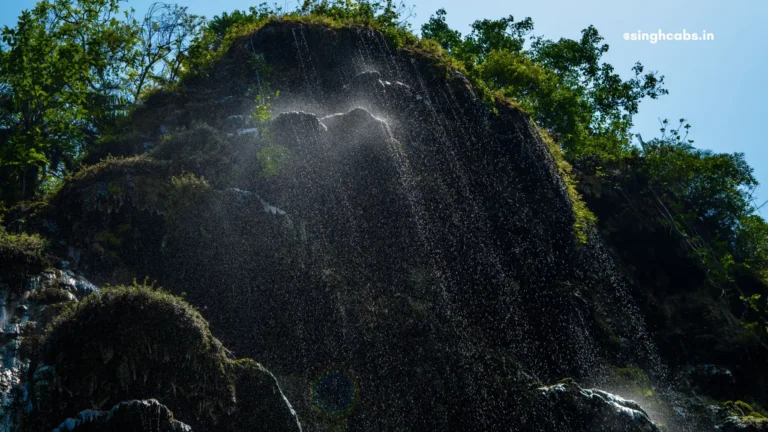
<point>719,86</point>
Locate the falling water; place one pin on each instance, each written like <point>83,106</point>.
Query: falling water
<point>413,264</point>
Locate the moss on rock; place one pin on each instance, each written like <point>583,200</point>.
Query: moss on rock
<point>20,255</point>
<point>201,150</point>
<point>136,342</point>
<point>139,342</point>
<point>48,296</point>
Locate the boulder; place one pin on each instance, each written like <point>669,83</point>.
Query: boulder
<point>129,416</point>
<point>568,407</point>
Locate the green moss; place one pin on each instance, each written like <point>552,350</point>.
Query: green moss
<point>748,418</point>
<point>186,189</point>
<point>273,159</point>
<point>137,342</point>
<point>20,255</point>
<point>141,342</point>
<point>634,379</point>
<point>51,296</point>
<point>200,150</point>
<point>585,220</point>
<point>22,247</point>
<point>113,164</point>
<point>108,240</point>
<point>741,409</point>
<point>114,188</point>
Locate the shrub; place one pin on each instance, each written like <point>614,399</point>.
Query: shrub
<point>20,255</point>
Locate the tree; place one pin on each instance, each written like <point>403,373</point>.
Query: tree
<point>167,34</point>
<point>69,70</point>
<point>59,66</point>
<point>562,84</point>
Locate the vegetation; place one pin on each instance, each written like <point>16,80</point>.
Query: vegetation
<point>51,296</point>
<point>140,342</point>
<point>137,342</point>
<point>69,71</point>
<point>702,199</point>
<point>20,255</point>
<point>584,104</point>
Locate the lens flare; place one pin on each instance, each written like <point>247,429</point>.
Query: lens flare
<point>334,393</point>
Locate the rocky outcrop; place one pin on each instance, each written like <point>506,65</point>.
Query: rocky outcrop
<point>745,424</point>
<point>568,407</point>
<point>66,345</point>
<point>134,343</point>
<point>130,416</point>
<point>24,313</point>
<point>385,224</point>
<point>399,253</point>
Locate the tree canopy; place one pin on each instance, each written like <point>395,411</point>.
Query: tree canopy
<point>69,70</point>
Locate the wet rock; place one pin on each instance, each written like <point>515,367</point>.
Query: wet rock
<point>298,131</point>
<point>45,296</point>
<point>248,131</point>
<point>84,288</point>
<point>568,407</point>
<point>365,81</point>
<point>129,416</point>
<point>739,416</point>
<point>713,380</point>
<point>745,424</point>
<point>371,88</point>
<point>237,121</point>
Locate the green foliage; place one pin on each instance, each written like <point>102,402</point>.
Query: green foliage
<point>670,208</point>
<point>263,111</point>
<point>69,70</point>
<point>755,315</point>
<point>585,219</point>
<point>111,163</point>
<point>706,199</point>
<point>30,247</point>
<point>20,255</point>
<point>166,35</point>
<point>272,159</point>
<point>200,150</point>
<point>188,183</point>
<point>186,189</point>
<point>586,106</point>
<point>216,39</point>
<point>60,67</point>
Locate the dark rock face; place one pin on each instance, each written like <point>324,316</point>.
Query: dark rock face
<point>401,257</point>
<point>130,416</point>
